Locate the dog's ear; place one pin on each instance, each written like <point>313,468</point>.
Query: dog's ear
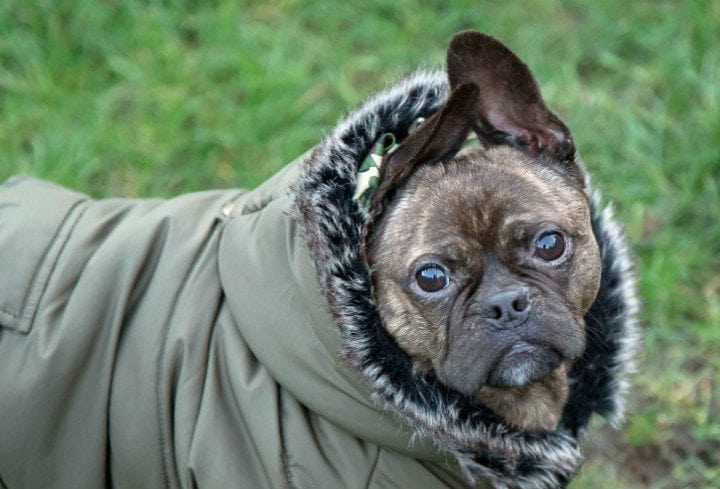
<point>509,108</point>
<point>438,138</point>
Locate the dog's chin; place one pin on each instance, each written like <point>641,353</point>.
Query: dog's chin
<point>522,365</point>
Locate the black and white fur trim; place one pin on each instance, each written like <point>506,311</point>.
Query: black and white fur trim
<point>332,224</point>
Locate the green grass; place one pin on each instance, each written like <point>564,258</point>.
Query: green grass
<point>156,98</point>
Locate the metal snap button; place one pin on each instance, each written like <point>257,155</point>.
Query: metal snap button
<point>227,209</point>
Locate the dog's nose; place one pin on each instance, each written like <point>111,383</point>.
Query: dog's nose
<point>508,308</point>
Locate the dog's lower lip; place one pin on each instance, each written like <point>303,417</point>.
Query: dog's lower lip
<point>523,364</point>
<point>522,347</point>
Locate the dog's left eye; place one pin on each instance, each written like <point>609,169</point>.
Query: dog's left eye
<point>432,278</point>
<point>550,246</point>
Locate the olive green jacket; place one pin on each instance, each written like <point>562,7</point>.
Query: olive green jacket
<point>229,339</point>
<point>179,343</point>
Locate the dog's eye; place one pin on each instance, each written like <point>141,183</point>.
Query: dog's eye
<point>432,278</point>
<point>550,246</point>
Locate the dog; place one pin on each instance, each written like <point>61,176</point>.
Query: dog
<point>484,262</point>
<point>432,330</point>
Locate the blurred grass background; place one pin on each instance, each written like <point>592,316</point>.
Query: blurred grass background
<point>123,97</point>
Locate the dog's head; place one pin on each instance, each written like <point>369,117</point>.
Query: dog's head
<point>484,260</point>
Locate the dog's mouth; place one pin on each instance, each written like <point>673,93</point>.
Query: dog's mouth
<point>523,364</point>
<point>511,358</point>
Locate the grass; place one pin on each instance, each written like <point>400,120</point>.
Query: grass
<point>156,98</point>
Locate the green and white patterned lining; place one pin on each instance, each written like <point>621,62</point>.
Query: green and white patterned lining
<point>368,175</point>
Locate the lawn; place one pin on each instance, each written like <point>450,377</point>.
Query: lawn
<point>155,98</point>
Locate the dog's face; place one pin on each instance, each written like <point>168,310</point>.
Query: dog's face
<point>484,261</point>
<point>484,267</point>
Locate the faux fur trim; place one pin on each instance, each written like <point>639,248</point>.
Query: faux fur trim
<point>484,447</point>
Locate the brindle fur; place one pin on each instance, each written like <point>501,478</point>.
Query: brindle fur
<point>477,212</point>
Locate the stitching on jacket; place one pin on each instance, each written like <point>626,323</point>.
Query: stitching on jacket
<point>283,447</point>
<point>371,475</point>
<point>48,261</point>
<point>22,321</point>
<point>170,477</point>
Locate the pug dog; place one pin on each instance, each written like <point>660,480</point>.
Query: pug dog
<point>484,262</point>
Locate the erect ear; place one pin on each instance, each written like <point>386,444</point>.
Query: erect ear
<point>438,138</point>
<point>509,108</point>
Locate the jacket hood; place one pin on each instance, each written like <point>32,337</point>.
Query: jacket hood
<point>332,223</point>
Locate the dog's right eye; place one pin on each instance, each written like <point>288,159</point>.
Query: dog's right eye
<point>550,246</point>
<point>432,278</point>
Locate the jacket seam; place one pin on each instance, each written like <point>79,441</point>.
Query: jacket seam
<point>160,389</point>
<point>22,321</point>
<point>283,446</point>
<point>371,475</point>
